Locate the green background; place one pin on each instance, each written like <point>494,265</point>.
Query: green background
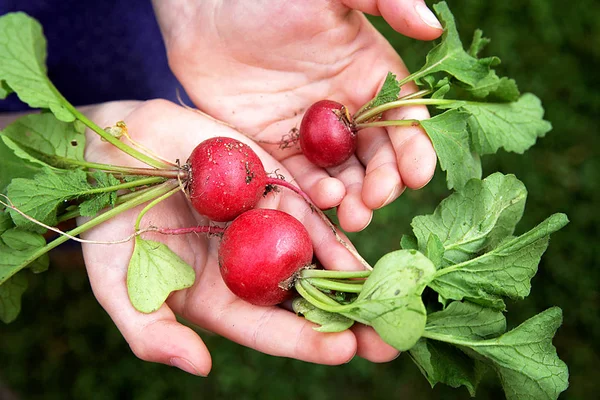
<point>63,345</point>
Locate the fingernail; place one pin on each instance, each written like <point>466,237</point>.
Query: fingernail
<point>351,358</point>
<point>185,365</point>
<point>393,195</point>
<point>427,16</point>
<point>367,224</point>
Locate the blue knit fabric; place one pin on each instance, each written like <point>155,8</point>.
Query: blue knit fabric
<point>100,50</point>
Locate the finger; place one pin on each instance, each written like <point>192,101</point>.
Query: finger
<point>408,17</point>
<point>371,347</point>
<point>354,215</point>
<point>155,337</point>
<point>326,192</point>
<point>408,148</point>
<point>415,154</point>
<point>271,330</point>
<point>383,183</point>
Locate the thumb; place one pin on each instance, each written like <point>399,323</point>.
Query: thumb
<point>411,18</point>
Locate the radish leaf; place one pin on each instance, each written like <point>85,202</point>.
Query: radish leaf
<point>327,321</point>
<point>43,133</point>
<point>23,66</point>
<point>524,358</point>
<point>450,57</point>
<point>10,297</point>
<point>13,166</point>
<point>480,215</point>
<point>512,126</point>
<point>154,272</point>
<point>450,139</point>
<point>504,271</point>
<point>16,247</point>
<point>96,203</point>
<point>388,92</point>
<point>390,300</point>
<point>444,363</point>
<point>42,196</point>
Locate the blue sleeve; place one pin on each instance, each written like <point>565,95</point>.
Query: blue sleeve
<point>100,51</point>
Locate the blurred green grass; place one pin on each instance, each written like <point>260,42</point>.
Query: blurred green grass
<point>64,346</point>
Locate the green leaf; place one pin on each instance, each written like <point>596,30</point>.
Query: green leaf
<point>479,216</point>
<point>95,204</point>
<point>45,134</point>
<point>17,247</point>
<point>390,300</point>
<point>524,358</point>
<point>5,90</point>
<point>506,91</point>
<point>327,321</point>
<point>438,87</point>
<point>441,91</point>
<point>450,57</point>
<point>504,271</point>
<point>23,64</point>
<point>449,136</point>
<point>389,91</point>
<point>12,167</point>
<point>154,272</point>
<point>5,221</point>
<point>442,363</point>
<point>467,320</point>
<point>10,297</point>
<point>478,43</point>
<point>18,151</point>
<point>409,242</point>
<point>42,196</point>
<point>435,250</point>
<point>512,126</point>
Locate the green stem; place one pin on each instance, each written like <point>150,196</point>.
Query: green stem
<point>415,75</point>
<point>126,185</point>
<point>149,195</point>
<point>306,291</point>
<point>152,204</point>
<point>375,111</point>
<point>317,294</point>
<point>69,215</point>
<point>120,200</point>
<point>415,95</point>
<point>325,273</point>
<point>171,173</point>
<point>388,122</point>
<point>335,285</point>
<point>108,137</point>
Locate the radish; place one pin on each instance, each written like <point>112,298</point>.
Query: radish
<point>261,253</point>
<point>327,134</point>
<point>226,178</point>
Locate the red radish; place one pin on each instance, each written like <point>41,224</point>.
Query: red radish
<point>327,134</point>
<point>226,178</point>
<point>260,253</point>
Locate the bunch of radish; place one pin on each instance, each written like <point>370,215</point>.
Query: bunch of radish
<point>262,249</point>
